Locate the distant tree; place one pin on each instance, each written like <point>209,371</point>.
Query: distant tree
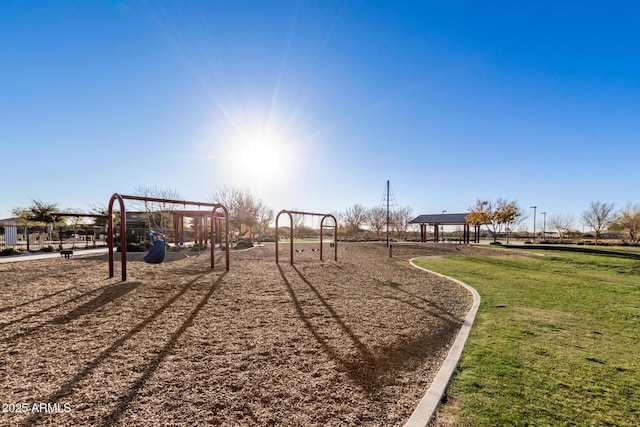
<point>157,214</point>
<point>496,215</point>
<point>481,214</point>
<point>628,219</point>
<point>298,224</point>
<point>354,218</point>
<point>513,216</point>
<point>598,216</point>
<point>99,210</point>
<point>376,219</point>
<point>264,217</point>
<point>400,220</point>
<point>244,209</point>
<point>561,223</point>
<point>39,213</point>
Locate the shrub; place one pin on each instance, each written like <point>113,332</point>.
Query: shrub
<point>244,244</point>
<point>8,251</point>
<point>136,247</point>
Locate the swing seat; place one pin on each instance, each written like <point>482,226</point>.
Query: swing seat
<point>67,253</point>
<point>158,250</point>
<point>195,255</point>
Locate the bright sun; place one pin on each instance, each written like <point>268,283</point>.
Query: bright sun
<point>259,160</point>
<point>260,153</point>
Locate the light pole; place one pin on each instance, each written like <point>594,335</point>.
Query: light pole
<point>534,222</point>
<point>544,225</point>
<point>442,226</point>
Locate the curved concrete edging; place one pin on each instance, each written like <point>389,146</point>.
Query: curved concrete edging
<point>427,406</point>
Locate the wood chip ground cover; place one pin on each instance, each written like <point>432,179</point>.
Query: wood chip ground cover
<point>352,342</point>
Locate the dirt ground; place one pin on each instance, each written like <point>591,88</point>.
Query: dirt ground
<point>352,342</point>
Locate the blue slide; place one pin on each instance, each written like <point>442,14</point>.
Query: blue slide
<point>158,249</point>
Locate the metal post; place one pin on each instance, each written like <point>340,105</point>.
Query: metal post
<point>442,226</point>
<point>534,222</point>
<point>387,213</point>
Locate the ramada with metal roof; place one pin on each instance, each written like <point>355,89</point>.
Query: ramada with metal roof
<point>436,220</point>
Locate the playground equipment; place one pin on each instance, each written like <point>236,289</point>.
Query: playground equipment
<point>200,220</point>
<point>158,248</point>
<point>334,245</point>
<point>66,253</point>
<point>123,227</point>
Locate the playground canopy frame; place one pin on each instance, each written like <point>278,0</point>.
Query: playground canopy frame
<point>324,216</point>
<point>77,215</point>
<point>123,227</point>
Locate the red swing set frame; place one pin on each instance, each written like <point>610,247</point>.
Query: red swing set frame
<point>322,226</point>
<point>123,227</point>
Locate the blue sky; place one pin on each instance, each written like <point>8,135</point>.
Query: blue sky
<point>313,105</point>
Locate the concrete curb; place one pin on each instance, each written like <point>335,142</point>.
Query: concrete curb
<point>427,406</point>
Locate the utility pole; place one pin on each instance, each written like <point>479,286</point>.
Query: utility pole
<point>387,213</point>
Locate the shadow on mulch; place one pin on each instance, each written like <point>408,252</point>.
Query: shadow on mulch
<point>33,329</point>
<point>68,387</point>
<point>370,369</point>
<point>109,294</point>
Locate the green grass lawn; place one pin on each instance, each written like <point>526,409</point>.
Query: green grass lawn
<point>556,340</point>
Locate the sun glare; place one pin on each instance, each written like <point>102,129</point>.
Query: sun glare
<point>259,153</point>
<point>260,160</point>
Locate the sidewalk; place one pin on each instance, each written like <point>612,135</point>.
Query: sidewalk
<point>54,254</point>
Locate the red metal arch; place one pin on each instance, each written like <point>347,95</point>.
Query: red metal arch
<point>123,227</point>
<point>322,226</point>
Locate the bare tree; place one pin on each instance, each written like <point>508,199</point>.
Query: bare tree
<point>263,219</point>
<point>355,217</point>
<point>377,219</point>
<point>244,208</point>
<point>598,216</point>
<point>561,223</point>
<point>157,213</point>
<point>628,219</point>
<point>400,220</point>
<point>513,215</point>
<point>298,223</point>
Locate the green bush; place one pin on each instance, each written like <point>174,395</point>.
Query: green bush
<point>8,251</point>
<point>244,244</point>
<point>134,247</point>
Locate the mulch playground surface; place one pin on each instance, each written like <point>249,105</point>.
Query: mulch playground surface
<point>352,342</point>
